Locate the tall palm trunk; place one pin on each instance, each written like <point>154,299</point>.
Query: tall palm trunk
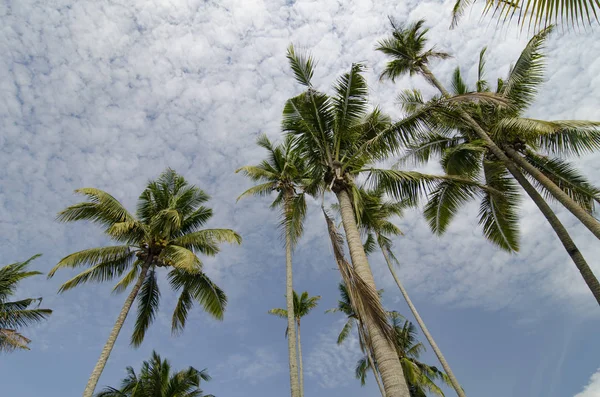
<point>112,338</point>
<point>584,217</point>
<point>301,370</point>
<point>588,220</point>
<point>375,374</point>
<point>564,237</point>
<point>385,353</point>
<point>413,309</point>
<point>289,300</point>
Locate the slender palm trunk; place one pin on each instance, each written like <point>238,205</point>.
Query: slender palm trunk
<point>385,353</point>
<point>413,309</point>
<point>289,299</point>
<point>564,237</point>
<point>301,370</point>
<point>584,217</point>
<point>112,338</point>
<point>375,374</point>
<point>588,220</point>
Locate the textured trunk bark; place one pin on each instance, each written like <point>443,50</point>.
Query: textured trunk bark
<point>375,374</point>
<point>112,338</point>
<point>564,237</point>
<point>413,309</point>
<point>289,300</point>
<point>385,353</point>
<point>301,370</point>
<point>588,220</point>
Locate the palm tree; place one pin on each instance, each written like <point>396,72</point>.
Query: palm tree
<point>420,377</point>
<point>164,233</point>
<point>510,146</point>
<point>345,306</point>
<point>156,380</point>
<point>303,304</point>
<point>537,13</point>
<point>284,171</point>
<point>18,314</point>
<point>341,139</point>
<point>374,220</point>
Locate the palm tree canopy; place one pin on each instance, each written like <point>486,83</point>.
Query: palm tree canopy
<point>462,153</point>
<point>285,172</point>
<point>421,378</point>
<point>536,14</point>
<point>407,49</point>
<point>303,305</point>
<point>166,232</point>
<point>156,379</point>
<point>17,314</point>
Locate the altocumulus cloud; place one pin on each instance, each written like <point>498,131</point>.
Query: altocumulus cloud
<point>108,93</point>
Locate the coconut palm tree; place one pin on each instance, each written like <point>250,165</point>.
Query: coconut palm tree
<point>374,219</point>
<point>498,141</point>
<point>156,379</point>
<point>303,304</point>
<point>345,306</point>
<point>17,314</point>
<point>536,13</point>
<point>165,233</point>
<point>284,172</point>
<point>421,378</point>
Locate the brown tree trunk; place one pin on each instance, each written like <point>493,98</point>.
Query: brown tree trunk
<point>385,353</point>
<point>459,391</point>
<point>301,370</point>
<point>564,237</point>
<point>112,338</point>
<point>588,220</point>
<point>289,300</point>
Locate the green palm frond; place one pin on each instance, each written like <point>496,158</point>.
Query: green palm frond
<point>302,65</point>
<point>148,301</point>
<point>92,257</point>
<point>360,372</point>
<point>182,308</point>
<point>527,74</point>
<point>101,272</point>
<point>195,220</point>
<point>498,212</point>
<point>459,86</point>
<point>349,102</point>
<point>463,159</point>
<point>102,208</point>
<point>566,177</point>
<point>444,202</point>
<point>262,190</point>
<point>482,84</point>
<point>345,332</point>
<point>131,276</point>
<point>370,244</point>
<point>282,313</point>
<point>202,289</point>
<point>207,241</point>
<point>181,258</point>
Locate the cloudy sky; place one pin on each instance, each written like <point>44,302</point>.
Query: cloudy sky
<point>108,93</point>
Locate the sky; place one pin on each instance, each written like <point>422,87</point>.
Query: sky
<point>108,93</point>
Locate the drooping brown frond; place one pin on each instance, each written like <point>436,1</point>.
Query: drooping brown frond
<point>363,298</point>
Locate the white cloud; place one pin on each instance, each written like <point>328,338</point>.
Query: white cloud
<point>258,366</point>
<point>592,389</point>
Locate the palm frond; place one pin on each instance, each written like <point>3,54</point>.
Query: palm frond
<point>148,301</point>
<point>202,289</point>
<point>103,271</point>
<point>102,208</point>
<point>302,65</point>
<point>92,257</point>
<point>444,202</point>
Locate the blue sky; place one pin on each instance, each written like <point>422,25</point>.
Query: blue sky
<point>109,93</point>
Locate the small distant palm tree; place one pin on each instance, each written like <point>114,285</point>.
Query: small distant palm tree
<point>18,314</point>
<point>303,305</point>
<point>483,141</point>
<point>286,173</point>
<point>421,378</point>
<point>156,380</point>
<point>164,233</point>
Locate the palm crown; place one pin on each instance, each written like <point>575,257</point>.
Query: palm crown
<point>17,314</point>
<point>463,153</point>
<point>157,379</point>
<point>303,304</point>
<point>165,233</point>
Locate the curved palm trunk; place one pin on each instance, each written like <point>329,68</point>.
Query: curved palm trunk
<point>564,237</point>
<point>385,353</point>
<point>301,370</point>
<point>112,338</point>
<point>413,309</point>
<point>588,221</point>
<point>289,300</point>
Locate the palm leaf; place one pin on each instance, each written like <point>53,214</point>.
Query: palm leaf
<point>148,301</point>
<point>92,257</point>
